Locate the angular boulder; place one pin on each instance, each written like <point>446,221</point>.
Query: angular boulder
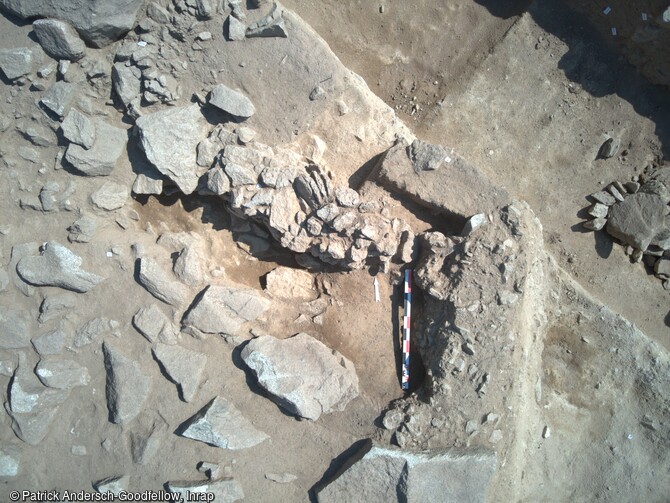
<point>637,219</point>
<point>221,424</point>
<point>231,101</point>
<point>98,23</point>
<point>169,139</point>
<point>160,284</point>
<point>303,376</point>
<point>16,63</point>
<point>59,40</point>
<point>377,474</point>
<point>127,386</point>
<point>183,366</point>
<point>107,143</point>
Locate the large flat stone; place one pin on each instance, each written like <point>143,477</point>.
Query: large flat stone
<point>452,186</point>
<point>303,376</point>
<point>183,366</point>
<point>58,39</point>
<point>637,219</point>
<point>127,386</point>
<point>100,159</point>
<point>170,139</point>
<point>377,474</point>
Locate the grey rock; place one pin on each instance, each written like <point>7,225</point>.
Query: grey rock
<point>637,220</point>
<point>427,157</point>
<point>50,343</point>
<point>241,174</point>
<point>246,134</point>
<point>154,325</point>
<point>632,187</point>
<point>62,374</point>
<point>169,139</point>
<point>146,438</point>
<point>379,474</point>
<point>55,306</point>
<point>145,184</point>
<point>596,224</point>
<point>29,154</point>
<point>347,197</point>
<point>204,9</point>
<point>609,148</point>
<point>98,23</point>
<point>183,366</point>
<point>231,101</point>
<point>91,331</point>
<point>82,230</point>
<point>662,268</point>
<point>158,13</point>
<point>158,283</point>
<point>39,136</point>
<point>604,198</point>
<point>100,159</point>
<point>221,424</point>
<point>599,210</point>
<point>127,386</point>
<point>272,25</point>
<point>127,85</point>
<point>10,460</point>
<point>456,188</point>
<point>57,266</point>
<point>302,375</point>
<point>110,196</point>
<point>59,98</point>
<point>290,284</point>
<point>14,328</point>
<point>79,129</point>
<point>223,309</point>
<point>16,63</point>
<point>474,222</point>
<point>58,39</point>
<point>188,266</point>
<point>113,485</point>
<point>217,181</point>
<point>226,490</point>
<point>31,405</point>
<point>615,192</point>
<point>281,478</point>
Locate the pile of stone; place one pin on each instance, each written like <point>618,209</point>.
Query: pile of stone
<point>637,214</point>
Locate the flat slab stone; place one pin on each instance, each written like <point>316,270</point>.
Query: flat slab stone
<point>127,386</point>
<point>154,325</point>
<point>16,63</point>
<point>231,101</point>
<point>59,97</point>
<point>221,424</point>
<point>223,310</point>
<point>110,196</point>
<point>62,374</point>
<point>14,328</point>
<point>160,284</point>
<point>452,186</point>
<point>377,474</point>
<point>303,375</point>
<point>57,266</point>
<point>225,490</point>
<point>169,139</point>
<point>290,284</point>
<point>183,366</point>
<point>101,157</point>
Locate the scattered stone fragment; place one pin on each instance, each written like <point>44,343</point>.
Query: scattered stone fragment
<point>399,475</point>
<point>127,85</point>
<point>158,13</point>
<point>632,187</point>
<point>346,197</point>
<point>29,154</point>
<point>110,196</point>
<point>169,139</point>
<point>609,148</point>
<point>474,222</point>
<point>604,198</point>
<point>221,424</point>
<point>231,101</point>
<point>217,181</point>
<point>596,224</point>
<point>317,93</point>
<point>16,63</point>
<point>38,136</point>
<point>57,266</point>
<point>146,438</point>
<point>303,375</point>
<point>158,283</point>
<point>662,268</point>
<point>428,157</point>
<point>222,309</point>
<point>211,470</point>
<point>92,331</point>
<point>50,343</point>
<point>546,432</point>
<point>154,325</point>
<point>147,185</point>
<point>114,485</point>
<point>127,387</point>
<point>100,159</point>
<point>273,25</point>
<point>496,436</point>
<point>226,490</point>
<point>615,192</point>
<point>62,374</point>
<point>58,39</point>
<point>638,219</point>
<point>59,98</point>
<point>55,306</point>
<point>246,134</point>
<point>281,478</point>
<point>79,129</point>
<point>82,230</point>
<point>14,328</point>
<point>10,460</point>
<point>287,283</point>
<point>183,366</point>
